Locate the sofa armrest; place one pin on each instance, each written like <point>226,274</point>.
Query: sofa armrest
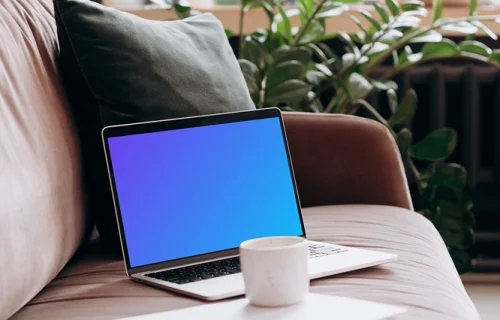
<point>341,159</point>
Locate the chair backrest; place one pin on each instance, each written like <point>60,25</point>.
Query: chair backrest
<point>42,220</point>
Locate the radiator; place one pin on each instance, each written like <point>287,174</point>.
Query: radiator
<point>464,95</point>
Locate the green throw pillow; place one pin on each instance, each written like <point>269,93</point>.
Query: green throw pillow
<point>118,68</point>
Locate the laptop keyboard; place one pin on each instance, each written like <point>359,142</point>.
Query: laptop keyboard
<point>318,250</point>
<point>199,272</point>
<point>225,267</point>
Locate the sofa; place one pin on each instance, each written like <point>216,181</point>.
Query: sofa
<point>349,173</point>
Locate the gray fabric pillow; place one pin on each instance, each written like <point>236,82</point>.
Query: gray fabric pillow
<point>119,68</point>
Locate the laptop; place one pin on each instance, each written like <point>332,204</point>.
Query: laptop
<point>188,191</point>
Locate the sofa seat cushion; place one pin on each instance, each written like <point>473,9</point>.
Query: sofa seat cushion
<point>424,279</point>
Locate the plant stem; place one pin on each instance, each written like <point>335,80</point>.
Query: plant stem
<point>306,25</point>
<point>241,35</point>
<point>332,104</point>
<point>416,175</point>
<point>341,106</point>
<point>375,114</point>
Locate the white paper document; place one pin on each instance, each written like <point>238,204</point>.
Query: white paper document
<point>314,307</point>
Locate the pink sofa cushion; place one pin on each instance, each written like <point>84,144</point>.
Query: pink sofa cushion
<point>41,216</point>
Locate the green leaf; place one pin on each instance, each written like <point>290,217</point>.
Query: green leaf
<point>413,58</point>
<point>422,12</point>
<point>370,19</point>
<point>302,15</point>
<point>381,12</point>
<point>286,70</point>
<point>324,69</point>
<point>472,7</point>
<point>358,87</point>
<point>346,39</point>
<point>246,3</point>
<point>466,201</point>
<point>291,13</point>
<point>449,175</point>
<point>326,56</point>
<point>395,58</point>
<point>328,36</point>
<point>461,27</point>
<point>314,30</point>
<point>314,104</point>
<point>437,8</point>
<point>285,53</point>
<point>403,140</point>
<point>456,218</point>
<point>461,259</point>
<point>317,106</point>
<point>255,52</point>
<point>393,6</point>
<point>495,56</point>
<point>406,22</point>
<point>458,221</point>
<point>438,145</point>
<point>430,36</point>
<point>260,35</point>
<point>281,24</point>
<point>252,78</point>
<point>392,99</point>
<point>250,69</point>
<point>359,37</point>
<point>461,239</point>
<point>229,33</point>
<point>485,29</point>
<point>349,58</point>
<point>182,9</point>
<point>407,56</point>
<point>290,91</point>
<point>412,5</point>
<point>332,9</point>
<point>358,23</point>
<point>445,48</point>
<point>315,77</point>
<point>307,6</point>
<point>374,48</point>
<point>475,47</point>
<point>384,86</point>
<point>268,9</point>
<point>328,51</point>
<point>350,1</point>
<point>390,36</point>
<point>405,110</point>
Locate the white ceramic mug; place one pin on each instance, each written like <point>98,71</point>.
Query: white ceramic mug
<point>275,270</point>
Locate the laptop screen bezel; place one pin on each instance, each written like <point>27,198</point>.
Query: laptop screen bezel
<point>185,123</point>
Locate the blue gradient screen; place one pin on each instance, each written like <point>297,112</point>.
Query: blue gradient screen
<point>199,190</point>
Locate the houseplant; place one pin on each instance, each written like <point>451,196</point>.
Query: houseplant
<point>293,69</point>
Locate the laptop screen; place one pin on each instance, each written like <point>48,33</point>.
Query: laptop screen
<point>193,191</point>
